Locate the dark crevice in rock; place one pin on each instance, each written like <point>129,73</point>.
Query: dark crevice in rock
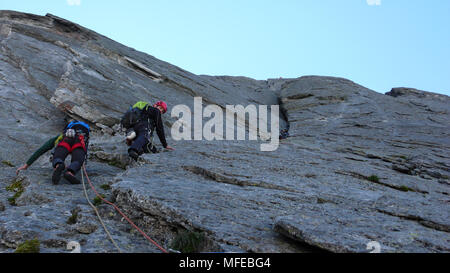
<point>402,188</point>
<point>418,219</point>
<point>412,92</point>
<point>284,115</point>
<point>303,246</point>
<point>304,243</point>
<point>300,96</point>
<point>410,167</point>
<point>233,181</point>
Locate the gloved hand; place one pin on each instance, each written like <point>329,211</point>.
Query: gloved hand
<point>70,133</point>
<point>131,135</point>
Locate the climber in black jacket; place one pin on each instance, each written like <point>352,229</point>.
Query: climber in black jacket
<point>150,116</point>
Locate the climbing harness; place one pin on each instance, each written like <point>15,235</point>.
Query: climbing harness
<point>80,144</point>
<point>120,212</point>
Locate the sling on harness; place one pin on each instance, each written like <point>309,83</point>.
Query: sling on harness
<point>150,147</point>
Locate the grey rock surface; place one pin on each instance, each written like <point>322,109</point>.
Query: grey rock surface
<point>358,166</point>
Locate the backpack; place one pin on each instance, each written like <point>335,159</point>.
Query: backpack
<point>133,115</point>
<point>79,126</point>
<point>141,105</point>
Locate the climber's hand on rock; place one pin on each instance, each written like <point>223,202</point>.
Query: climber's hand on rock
<point>170,148</point>
<point>23,168</point>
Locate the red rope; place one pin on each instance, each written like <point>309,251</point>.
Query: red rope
<point>121,213</point>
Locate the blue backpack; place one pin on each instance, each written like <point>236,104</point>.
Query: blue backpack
<point>78,123</point>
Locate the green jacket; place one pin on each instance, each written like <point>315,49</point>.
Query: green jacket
<point>50,144</point>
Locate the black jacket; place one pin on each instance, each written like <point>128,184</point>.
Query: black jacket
<point>154,116</point>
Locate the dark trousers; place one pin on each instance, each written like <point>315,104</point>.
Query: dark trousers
<point>78,157</point>
<point>141,140</point>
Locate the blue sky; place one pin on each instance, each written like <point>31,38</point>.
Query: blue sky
<point>377,43</point>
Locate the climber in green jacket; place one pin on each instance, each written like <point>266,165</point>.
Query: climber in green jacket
<point>75,141</point>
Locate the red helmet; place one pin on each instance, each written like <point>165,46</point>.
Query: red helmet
<point>163,105</point>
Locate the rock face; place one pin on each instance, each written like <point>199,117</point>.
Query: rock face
<point>359,166</point>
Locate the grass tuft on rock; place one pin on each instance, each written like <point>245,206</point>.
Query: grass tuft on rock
<point>32,246</point>
<point>97,200</point>
<point>373,178</point>
<point>16,187</point>
<point>188,242</point>
<point>73,218</point>
<point>105,187</point>
<point>8,163</point>
<point>405,188</point>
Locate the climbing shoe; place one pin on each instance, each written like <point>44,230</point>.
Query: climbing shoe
<point>71,178</point>
<point>56,177</point>
<point>133,154</point>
